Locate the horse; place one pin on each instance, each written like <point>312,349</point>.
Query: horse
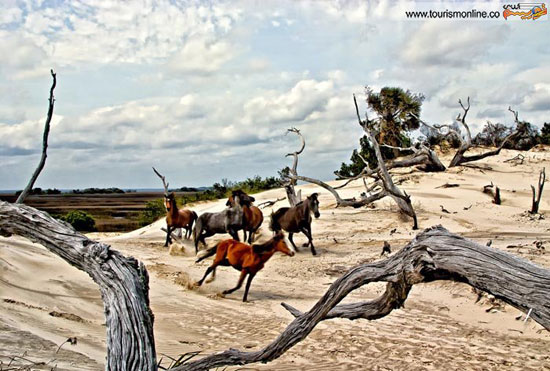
<point>229,221</point>
<point>252,216</point>
<point>297,219</point>
<point>245,258</point>
<point>177,218</point>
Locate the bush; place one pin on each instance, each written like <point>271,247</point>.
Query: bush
<point>80,220</point>
<point>154,210</point>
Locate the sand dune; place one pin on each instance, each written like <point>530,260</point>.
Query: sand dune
<point>44,300</point>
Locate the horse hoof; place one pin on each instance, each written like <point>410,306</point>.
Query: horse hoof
<point>305,244</point>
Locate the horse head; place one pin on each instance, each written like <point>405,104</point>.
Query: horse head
<point>244,199</point>
<point>169,199</point>
<point>281,244</point>
<point>314,204</point>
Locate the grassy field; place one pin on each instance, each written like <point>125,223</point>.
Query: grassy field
<point>112,212</point>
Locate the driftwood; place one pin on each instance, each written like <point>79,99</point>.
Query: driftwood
<point>536,200</point>
<point>448,185</point>
<point>269,203</point>
<point>435,254</point>
<point>423,157</point>
<point>494,192</point>
<point>123,282</point>
<point>42,161</point>
<point>516,160</point>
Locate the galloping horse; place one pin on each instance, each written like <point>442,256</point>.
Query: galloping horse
<point>297,219</point>
<point>229,221</point>
<point>248,259</point>
<point>176,218</point>
<point>252,216</point>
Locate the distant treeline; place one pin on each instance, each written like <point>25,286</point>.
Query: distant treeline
<point>155,209</point>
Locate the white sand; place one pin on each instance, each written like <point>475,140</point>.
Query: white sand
<point>441,326</point>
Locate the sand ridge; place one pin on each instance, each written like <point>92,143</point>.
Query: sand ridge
<point>441,325</point>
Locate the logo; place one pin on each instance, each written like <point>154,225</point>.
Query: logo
<point>525,10</point>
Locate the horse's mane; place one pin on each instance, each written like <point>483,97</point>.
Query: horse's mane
<point>274,225</point>
<point>266,246</point>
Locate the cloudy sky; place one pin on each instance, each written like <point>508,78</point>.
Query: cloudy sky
<point>206,90</point>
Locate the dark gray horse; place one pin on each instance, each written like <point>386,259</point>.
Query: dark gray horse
<point>229,221</point>
<point>297,219</point>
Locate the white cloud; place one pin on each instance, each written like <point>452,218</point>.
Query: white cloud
<point>305,98</point>
<point>201,56</point>
<point>437,43</point>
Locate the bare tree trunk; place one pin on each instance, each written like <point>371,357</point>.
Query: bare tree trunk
<point>42,162</point>
<point>435,254</point>
<point>293,197</point>
<point>123,282</point>
<point>536,202</point>
<point>402,199</point>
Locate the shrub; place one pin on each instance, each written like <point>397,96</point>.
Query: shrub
<point>154,210</point>
<point>80,220</point>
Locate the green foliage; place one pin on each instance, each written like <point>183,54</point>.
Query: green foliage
<point>357,165</point>
<point>97,191</point>
<point>398,111</point>
<point>154,210</point>
<point>80,220</point>
<point>545,133</point>
<point>40,191</point>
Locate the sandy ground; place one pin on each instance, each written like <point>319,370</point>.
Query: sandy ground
<point>43,300</point>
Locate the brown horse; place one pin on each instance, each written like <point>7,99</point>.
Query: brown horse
<point>248,259</point>
<point>297,219</point>
<point>176,218</point>
<point>252,216</point>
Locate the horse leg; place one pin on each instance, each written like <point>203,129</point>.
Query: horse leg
<point>234,234</point>
<point>168,238</point>
<point>211,279</point>
<point>248,282</point>
<point>244,235</point>
<point>250,237</point>
<point>307,231</point>
<point>290,234</point>
<point>239,284</point>
<point>208,270</point>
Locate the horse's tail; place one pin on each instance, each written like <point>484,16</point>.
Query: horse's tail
<point>197,232</point>
<point>207,253</point>
<point>274,223</point>
<point>194,217</point>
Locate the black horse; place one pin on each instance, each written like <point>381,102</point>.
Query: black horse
<point>297,219</point>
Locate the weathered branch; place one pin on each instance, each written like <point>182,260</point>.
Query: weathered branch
<point>536,202</point>
<point>293,197</point>
<point>123,282</point>
<point>494,192</point>
<point>435,254</point>
<point>164,183</point>
<point>402,199</point>
<point>265,204</point>
<point>42,161</point>
<point>460,157</point>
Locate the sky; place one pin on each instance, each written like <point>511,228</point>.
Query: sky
<point>205,90</point>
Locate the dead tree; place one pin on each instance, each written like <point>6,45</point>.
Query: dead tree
<point>42,161</point>
<point>123,282</point>
<point>435,254</point>
<point>536,200</point>
<point>466,140</point>
<point>293,177</point>
<point>402,199</point>
<point>164,183</point>
<point>423,157</point>
<point>293,197</point>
